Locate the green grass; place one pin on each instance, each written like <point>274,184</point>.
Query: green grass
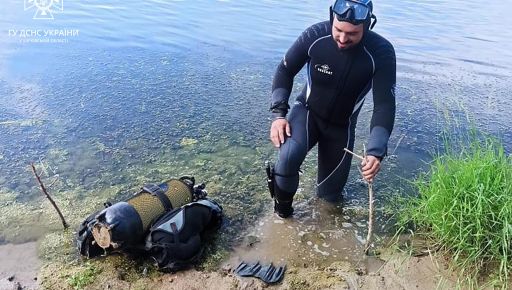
<point>465,206</point>
<point>84,277</point>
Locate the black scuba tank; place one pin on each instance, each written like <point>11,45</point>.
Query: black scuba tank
<point>124,224</point>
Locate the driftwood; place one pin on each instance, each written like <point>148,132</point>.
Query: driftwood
<point>43,189</point>
<point>370,205</point>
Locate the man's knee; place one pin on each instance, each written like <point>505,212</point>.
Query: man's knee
<point>286,186</point>
<point>290,158</point>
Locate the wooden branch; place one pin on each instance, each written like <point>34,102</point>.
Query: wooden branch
<point>370,212</point>
<point>370,218</point>
<point>370,204</point>
<point>358,156</point>
<point>43,189</point>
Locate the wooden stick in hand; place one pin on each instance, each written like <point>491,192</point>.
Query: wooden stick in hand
<point>354,154</point>
<point>370,212</point>
<point>370,205</point>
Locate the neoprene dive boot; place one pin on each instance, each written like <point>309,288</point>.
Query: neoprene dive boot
<point>283,203</point>
<point>282,199</point>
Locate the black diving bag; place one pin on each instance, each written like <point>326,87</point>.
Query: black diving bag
<point>176,240</point>
<point>124,225</point>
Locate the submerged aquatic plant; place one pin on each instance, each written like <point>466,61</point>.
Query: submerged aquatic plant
<point>465,206</point>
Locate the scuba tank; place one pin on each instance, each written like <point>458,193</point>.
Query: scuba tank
<point>124,224</point>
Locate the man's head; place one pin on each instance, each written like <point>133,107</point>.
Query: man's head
<point>350,19</point>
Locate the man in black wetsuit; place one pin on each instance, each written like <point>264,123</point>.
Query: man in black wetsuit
<point>345,60</point>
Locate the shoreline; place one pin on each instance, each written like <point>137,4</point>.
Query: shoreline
<point>306,266</point>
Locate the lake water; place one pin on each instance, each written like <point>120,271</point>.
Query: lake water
<point>109,95</point>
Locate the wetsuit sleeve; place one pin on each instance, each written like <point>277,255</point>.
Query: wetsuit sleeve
<point>384,81</point>
<point>292,63</point>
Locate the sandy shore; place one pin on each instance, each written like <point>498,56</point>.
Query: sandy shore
<point>316,258</point>
<point>19,266</point>
<point>399,272</point>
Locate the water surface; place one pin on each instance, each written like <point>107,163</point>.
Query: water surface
<point>148,90</point>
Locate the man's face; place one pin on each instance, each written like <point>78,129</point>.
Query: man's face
<point>346,34</point>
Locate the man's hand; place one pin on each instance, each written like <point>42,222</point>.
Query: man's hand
<point>370,167</point>
<point>279,130</point>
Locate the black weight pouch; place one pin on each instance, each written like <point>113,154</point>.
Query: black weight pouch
<point>176,240</point>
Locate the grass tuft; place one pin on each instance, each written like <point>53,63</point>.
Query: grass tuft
<point>465,205</point>
<point>84,278</point>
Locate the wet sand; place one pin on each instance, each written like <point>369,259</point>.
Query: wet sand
<point>320,246</point>
<point>19,266</point>
<point>323,249</point>
<point>319,234</point>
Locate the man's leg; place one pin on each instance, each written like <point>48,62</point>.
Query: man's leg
<point>291,155</point>
<point>333,161</point>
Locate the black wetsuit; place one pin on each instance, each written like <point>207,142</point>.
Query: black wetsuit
<point>326,111</point>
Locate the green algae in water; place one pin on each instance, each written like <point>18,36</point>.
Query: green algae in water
<point>97,171</point>
<point>188,142</point>
<point>58,246</point>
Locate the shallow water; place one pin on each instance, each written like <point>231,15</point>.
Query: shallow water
<point>148,90</point>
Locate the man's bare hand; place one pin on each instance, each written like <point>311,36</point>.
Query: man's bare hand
<point>279,131</point>
<point>370,167</point>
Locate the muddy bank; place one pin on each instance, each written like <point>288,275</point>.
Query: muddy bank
<point>320,247</point>
<point>19,266</point>
<point>398,271</point>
